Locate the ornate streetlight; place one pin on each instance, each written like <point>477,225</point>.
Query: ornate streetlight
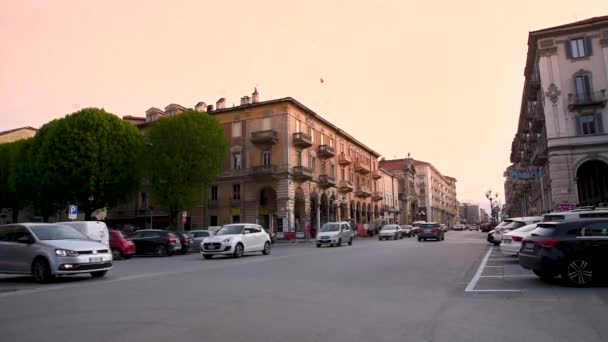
<point>492,197</point>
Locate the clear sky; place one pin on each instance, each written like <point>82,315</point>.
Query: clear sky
<point>439,79</point>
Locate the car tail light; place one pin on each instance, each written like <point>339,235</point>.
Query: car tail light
<point>547,243</point>
<point>517,238</point>
<point>171,239</point>
<point>436,230</point>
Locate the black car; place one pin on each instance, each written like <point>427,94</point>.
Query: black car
<point>576,250</point>
<point>186,240</point>
<point>155,241</point>
<point>273,237</point>
<point>430,230</point>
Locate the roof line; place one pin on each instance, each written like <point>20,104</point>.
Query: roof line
<point>18,129</point>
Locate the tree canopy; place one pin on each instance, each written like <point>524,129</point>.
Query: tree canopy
<point>185,154</point>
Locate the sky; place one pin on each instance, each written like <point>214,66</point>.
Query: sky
<point>441,80</point>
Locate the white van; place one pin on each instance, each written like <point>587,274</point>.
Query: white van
<point>94,230</point>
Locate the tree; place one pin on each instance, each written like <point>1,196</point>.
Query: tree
<point>15,192</point>
<point>90,158</point>
<point>186,153</point>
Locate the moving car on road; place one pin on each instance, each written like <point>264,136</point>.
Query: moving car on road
<point>511,241</point>
<point>389,231</point>
<point>430,230</point>
<point>576,250</point>
<point>235,240</point>
<point>334,234</point>
<point>155,241</point>
<point>407,230</point>
<point>49,250</point>
<point>199,236</point>
<point>122,248</point>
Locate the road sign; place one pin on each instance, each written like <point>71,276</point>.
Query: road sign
<point>73,212</point>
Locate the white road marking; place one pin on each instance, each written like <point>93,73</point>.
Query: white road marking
<point>477,275</point>
<point>509,276</point>
<point>497,290</point>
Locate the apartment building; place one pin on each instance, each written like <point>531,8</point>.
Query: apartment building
<point>405,172</point>
<point>436,194</point>
<point>469,212</point>
<point>288,169</point>
<point>560,150</point>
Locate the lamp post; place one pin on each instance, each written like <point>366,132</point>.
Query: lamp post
<point>492,197</point>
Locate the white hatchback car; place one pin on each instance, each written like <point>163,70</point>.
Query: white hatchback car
<point>236,239</point>
<point>511,241</point>
<point>514,223</point>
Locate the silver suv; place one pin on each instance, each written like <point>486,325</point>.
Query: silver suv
<point>334,234</point>
<point>48,250</point>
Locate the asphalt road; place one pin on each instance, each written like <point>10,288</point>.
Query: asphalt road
<point>372,291</point>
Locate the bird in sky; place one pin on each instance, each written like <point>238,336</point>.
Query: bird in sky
<point>322,81</point>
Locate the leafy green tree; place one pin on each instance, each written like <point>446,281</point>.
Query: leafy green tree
<point>15,191</point>
<point>186,153</point>
<point>91,158</point>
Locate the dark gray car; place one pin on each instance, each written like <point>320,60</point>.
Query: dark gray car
<point>430,230</point>
<point>199,236</point>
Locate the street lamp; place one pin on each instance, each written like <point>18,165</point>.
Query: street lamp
<point>492,197</point>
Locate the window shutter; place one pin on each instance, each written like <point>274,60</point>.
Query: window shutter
<point>588,48</point>
<point>568,49</point>
<point>579,130</point>
<point>599,123</point>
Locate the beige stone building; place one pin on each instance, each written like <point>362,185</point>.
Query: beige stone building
<point>437,199</point>
<point>405,172</point>
<point>560,150</point>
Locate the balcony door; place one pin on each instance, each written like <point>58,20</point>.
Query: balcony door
<point>582,88</point>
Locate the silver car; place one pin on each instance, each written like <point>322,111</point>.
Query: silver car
<point>390,231</point>
<point>48,250</point>
<point>199,236</point>
<point>334,234</point>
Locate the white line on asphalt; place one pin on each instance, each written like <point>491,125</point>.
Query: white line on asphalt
<point>509,276</point>
<point>496,290</point>
<point>475,279</point>
<point>486,266</point>
<point>503,259</point>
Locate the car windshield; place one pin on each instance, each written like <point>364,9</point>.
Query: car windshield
<point>429,225</point>
<point>56,232</point>
<point>388,228</point>
<point>553,218</point>
<point>330,227</point>
<point>200,234</point>
<point>514,225</point>
<point>230,230</point>
<point>406,227</point>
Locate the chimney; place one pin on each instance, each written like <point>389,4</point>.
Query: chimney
<point>200,107</point>
<point>244,100</point>
<point>209,108</point>
<point>255,97</point>
<point>221,103</point>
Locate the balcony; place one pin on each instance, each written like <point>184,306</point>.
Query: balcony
<point>326,181</point>
<point>377,196</point>
<point>540,154</point>
<point>384,208</point>
<point>376,174</point>
<point>402,196</point>
<point>302,173</point>
<point>302,140</point>
<point>269,137</point>
<point>345,159</point>
<point>345,186</point>
<point>326,151</point>
<point>264,171</point>
<point>591,99</point>
<point>362,168</point>
<point>363,192</point>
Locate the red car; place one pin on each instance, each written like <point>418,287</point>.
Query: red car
<point>122,248</point>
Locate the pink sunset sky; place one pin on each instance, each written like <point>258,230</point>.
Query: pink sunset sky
<point>439,79</point>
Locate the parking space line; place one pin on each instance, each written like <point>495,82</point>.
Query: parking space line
<point>509,276</point>
<point>496,290</point>
<point>471,286</point>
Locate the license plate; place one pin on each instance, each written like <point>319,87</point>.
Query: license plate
<point>211,247</point>
<point>506,240</point>
<point>529,246</point>
<point>95,259</point>
<point>428,231</point>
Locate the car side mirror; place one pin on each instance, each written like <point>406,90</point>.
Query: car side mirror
<point>28,240</point>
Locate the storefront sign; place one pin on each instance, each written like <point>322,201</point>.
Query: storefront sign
<point>236,211</point>
<point>263,211</point>
<point>525,173</point>
<point>565,206</point>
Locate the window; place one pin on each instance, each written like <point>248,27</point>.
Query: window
<point>313,163</point>
<point>143,201</point>
<point>596,229</point>
<point>588,124</point>
<point>331,142</point>
<point>266,124</point>
<point>298,126</point>
<point>333,171</point>
<point>236,161</point>
<point>236,129</point>
<point>236,192</point>
<point>236,219</point>
<point>213,220</point>
<point>323,167</point>
<point>580,47</point>
<point>342,148</point>
<point>352,174</point>
<point>19,233</point>
<point>266,158</point>
<point>214,193</point>
<point>342,173</point>
<point>582,88</point>
<point>6,233</point>
<point>322,142</point>
<point>299,158</point>
<point>312,135</point>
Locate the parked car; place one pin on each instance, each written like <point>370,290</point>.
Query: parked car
<point>94,230</point>
<point>199,236</point>
<point>575,214</point>
<point>407,230</point>
<point>512,224</point>
<point>122,248</point>
<point>473,227</point>
<point>49,250</point>
<point>485,227</point>
<point>155,241</point>
<point>443,227</point>
<point>430,230</point>
<point>334,234</point>
<point>458,227</point>
<point>186,240</point>
<point>273,237</point>
<point>389,232</point>
<point>214,229</point>
<point>511,241</point>
<point>576,250</point>
<point>237,239</point>
<point>416,225</point>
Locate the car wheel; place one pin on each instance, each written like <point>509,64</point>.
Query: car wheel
<point>318,245</point>
<point>578,272</point>
<point>543,275</point>
<point>238,250</point>
<point>266,249</point>
<point>160,251</point>
<point>350,242</point>
<point>207,256</point>
<point>116,255</point>
<point>127,256</point>
<point>98,274</point>
<point>41,270</point>
<point>339,242</point>
<point>419,239</point>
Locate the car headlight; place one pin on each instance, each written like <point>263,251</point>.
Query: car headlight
<point>66,252</point>
<point>226,240</point>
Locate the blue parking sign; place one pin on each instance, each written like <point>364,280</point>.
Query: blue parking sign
<point>73,212</point>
